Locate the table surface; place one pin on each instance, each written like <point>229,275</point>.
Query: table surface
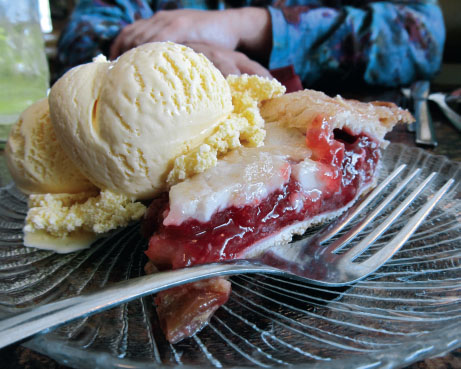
<point>449,144</point>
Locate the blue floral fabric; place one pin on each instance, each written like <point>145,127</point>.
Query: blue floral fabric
<point>385,43</point>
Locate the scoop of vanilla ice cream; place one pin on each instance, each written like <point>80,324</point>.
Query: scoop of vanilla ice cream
<point>126,121</point>
<point>35,158</point>
<point>244,126</point>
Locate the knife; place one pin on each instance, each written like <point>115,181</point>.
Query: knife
<point>425,134</point>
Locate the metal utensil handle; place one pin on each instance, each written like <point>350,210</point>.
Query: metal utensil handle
<point>425,134</point>
<point>50,316</point>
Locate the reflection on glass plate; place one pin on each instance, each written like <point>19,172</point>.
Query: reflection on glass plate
<point>408,310</point>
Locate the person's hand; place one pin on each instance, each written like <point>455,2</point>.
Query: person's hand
<point>179,26</point>
<point>230,61</point>
<point>247,28</point>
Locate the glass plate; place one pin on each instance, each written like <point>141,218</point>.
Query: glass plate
<point>408,310</point>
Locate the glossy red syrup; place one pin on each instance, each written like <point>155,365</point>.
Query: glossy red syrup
<point>348,163</point>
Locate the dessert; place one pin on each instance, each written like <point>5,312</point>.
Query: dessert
<point>113,133</point>
<point>126,121</point>
<point>70,222</point>
<point>35,158</point>
<point>66,211</point>
<point>319,155</point>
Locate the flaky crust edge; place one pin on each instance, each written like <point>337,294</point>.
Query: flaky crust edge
<point>300,109</point>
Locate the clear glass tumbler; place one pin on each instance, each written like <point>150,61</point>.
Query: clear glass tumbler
<point>24,72</point>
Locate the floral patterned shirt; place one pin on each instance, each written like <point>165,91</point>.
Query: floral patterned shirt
<point>386,43</point>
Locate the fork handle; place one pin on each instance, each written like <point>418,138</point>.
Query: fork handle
<point>50,316</point>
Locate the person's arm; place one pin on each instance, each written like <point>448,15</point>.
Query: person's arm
<point>235,40</point>
<point>247,28</point>
<point>383,42</point>
<point>93,26</point>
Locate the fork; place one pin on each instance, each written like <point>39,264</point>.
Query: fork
<point>313,262</point>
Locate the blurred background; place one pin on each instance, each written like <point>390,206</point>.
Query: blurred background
<point>450,73</point>
<point>60,10</point>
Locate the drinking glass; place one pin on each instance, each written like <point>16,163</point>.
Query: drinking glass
<point>24,72</point>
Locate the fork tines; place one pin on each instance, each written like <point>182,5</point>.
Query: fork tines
<point>402,236</point>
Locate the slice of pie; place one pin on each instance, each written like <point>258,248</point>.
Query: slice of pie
<point>320,154</point>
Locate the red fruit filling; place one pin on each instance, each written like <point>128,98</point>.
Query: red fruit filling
<point>348,163</point>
